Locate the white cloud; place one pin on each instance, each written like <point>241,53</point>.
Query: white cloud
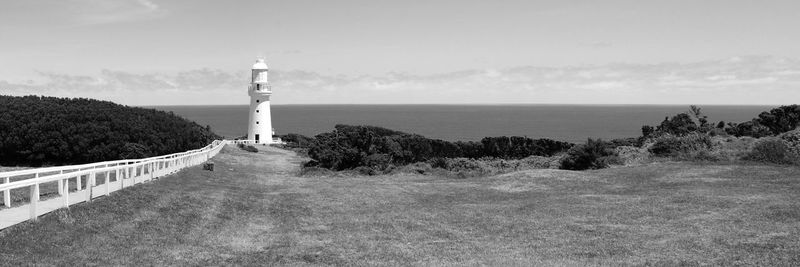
<point>90,12</point>
<point>751,80</point>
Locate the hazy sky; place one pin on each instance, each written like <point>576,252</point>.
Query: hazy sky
<point>146,52</point>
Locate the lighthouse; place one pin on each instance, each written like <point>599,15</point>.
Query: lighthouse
<point>260,123</point>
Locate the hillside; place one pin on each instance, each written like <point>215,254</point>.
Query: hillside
<point>37,131</point>
<point>255,210</point>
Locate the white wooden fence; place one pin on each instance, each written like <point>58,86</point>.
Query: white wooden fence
<point>71,189</point>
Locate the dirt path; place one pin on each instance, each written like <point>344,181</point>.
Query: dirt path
<point>247,211</point>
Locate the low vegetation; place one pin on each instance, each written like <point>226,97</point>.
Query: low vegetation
<point>247,148</point>
<point>771,150</point>
<point>254,210</point>
<point>36,131</point>
<point>594,154</point>
<point>688,136</point>
<point>350,147</point>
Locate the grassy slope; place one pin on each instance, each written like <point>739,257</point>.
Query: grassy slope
<point>253,210</point>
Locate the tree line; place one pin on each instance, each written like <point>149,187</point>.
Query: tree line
<point>39,130</point>
<point>769,123</point>
<point>348,147</point>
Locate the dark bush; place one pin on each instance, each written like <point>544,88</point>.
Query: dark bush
<point>348,147</point>
<point>750,128</point>
<point>247,148</point>
<point>780,120</point>
<point>439,163</point>
<point>769,123</point>
<point>595,154</point>
<point>792,139</point>
<point>294,140</point>
<point>771,150</point>
<point>632,141</point>
<point>678,146</point>
<point>467,167</point>
<point>681,124</point>
<point>648,130</point>
<point>37,131</point>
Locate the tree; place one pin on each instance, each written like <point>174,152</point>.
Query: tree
<point>701,120</point>
<point>647,130</point>
<point>680,124</point>
<point>781,119</point>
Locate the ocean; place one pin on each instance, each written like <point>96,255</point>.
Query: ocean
<point>572,123</point>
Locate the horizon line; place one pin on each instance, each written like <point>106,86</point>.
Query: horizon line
<point>475,104</point>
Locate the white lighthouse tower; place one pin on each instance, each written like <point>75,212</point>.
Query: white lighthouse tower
<point>260,124</point>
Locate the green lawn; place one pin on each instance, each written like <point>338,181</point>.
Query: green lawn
<point>254,210</point>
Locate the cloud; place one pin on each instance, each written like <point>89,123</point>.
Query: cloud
<point>597,44</point>
<point>91,12</point>
<point>746,80</point>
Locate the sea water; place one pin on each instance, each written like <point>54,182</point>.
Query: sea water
<point>573,123</point>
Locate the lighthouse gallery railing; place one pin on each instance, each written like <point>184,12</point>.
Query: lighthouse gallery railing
<point>71,188</point>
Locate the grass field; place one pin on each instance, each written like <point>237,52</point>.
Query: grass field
<point>254,210</point>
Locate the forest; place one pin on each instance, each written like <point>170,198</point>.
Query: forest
<point>44,131</point>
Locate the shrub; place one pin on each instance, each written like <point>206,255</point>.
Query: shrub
<point>467,167</point>
<point>681,124</point>
<point>441,163</point>
<point>717,132</point>
<point>377,161</point>
<point>629,155</point>
<point>349,147</point>
<point>681,146</point>
<point>418,167</point>
<point>780,120</point>
<point>36,131</point>
<point>731,148</point>
<point>595,154</point>
<point>294,140</point>
<point>634,142</point>
<point>771,150</point>
<point>792,139</point>
<point>751,128</point>
<point>364,170</point>
<point>247,148</point>
<point>540,162</point>
<point>134,151</point>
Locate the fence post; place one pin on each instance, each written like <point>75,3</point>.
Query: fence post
<point>34,200</point>
<point>91,179</point>
<point>7,193</point>
<point>108,181</point>
<point>120,173</point>
<point>66,192</point>
<point>34,197</point>
<point>60,184</point>
<point>79,183</point>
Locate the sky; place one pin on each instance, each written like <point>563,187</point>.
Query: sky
<point>196,52</point>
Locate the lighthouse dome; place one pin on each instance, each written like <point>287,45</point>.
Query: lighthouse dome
<point>260,65</point>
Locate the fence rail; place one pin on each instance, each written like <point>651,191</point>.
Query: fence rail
<point>78,183</point>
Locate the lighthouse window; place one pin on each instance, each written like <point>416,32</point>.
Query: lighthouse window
<point>258,87</point>
<point>256,111</point>
<point>258,101</point>
<point>256,122</point>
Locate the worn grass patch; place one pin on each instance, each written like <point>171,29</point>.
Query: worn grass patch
<point>254,209</point>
